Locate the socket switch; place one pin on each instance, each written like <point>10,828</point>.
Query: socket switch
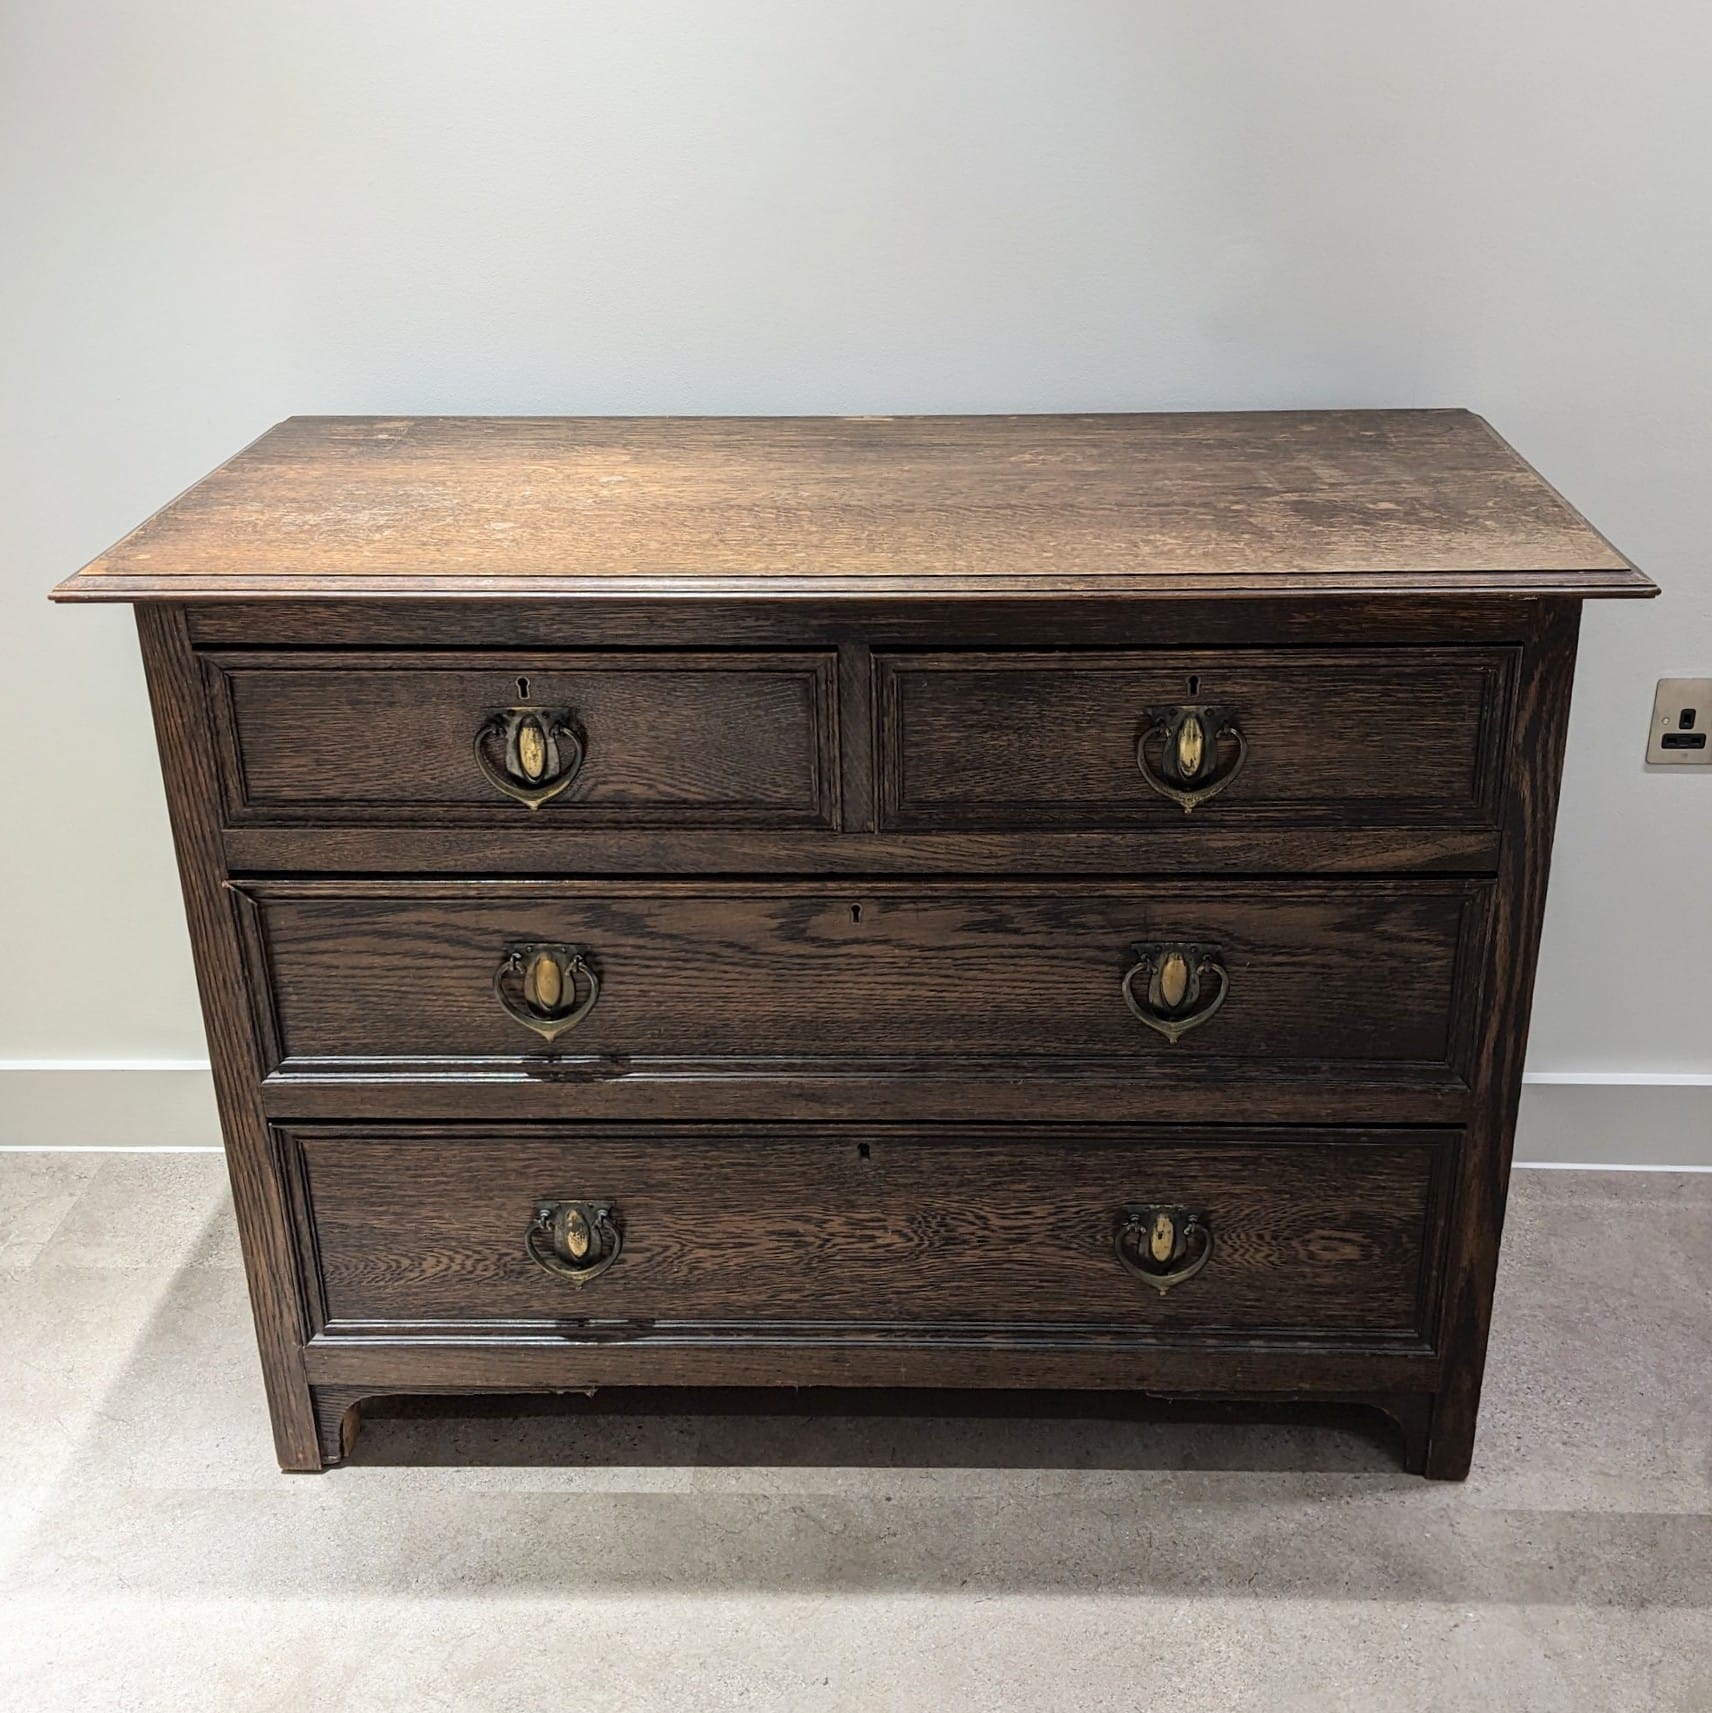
<point>1681,732</point>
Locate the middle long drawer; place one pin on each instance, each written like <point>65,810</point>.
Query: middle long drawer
<point>1190,979</point>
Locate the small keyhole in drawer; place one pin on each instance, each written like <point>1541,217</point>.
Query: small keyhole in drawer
<point>523,689</point>
<point>855,912</point>
<point>1194,683</point>
<point>863,1151</point>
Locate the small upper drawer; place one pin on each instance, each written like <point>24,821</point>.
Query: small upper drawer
<point>1067,740</point>
<point>591,739</point>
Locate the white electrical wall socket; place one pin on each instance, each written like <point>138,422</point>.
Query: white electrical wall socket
<point>1681,732</point>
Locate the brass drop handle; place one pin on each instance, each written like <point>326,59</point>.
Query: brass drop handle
<point>547,988</point>
<point>1189,736</point>
<point>574,1240</point>
<point>1179,992</point>
<point>540,752</point>
<point>1164,1246</point>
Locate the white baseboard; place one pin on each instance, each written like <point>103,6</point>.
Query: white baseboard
<point>107,1103</point>
<point>1573,1118</point>
<point>1616,1118</point>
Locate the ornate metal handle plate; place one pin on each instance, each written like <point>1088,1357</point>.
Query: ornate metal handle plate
<point>1163,1245</point>
<point>539,984</point>
<point>1189,735</point>
<point>1175,999</point>
<point>540,753</point>
<point>575,1240</point>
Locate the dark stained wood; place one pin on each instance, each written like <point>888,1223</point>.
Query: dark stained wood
<point>1406,1411</point>
<point>1068,1091</point>
<point>338,1419</point>
<point>270,1259</point>
<point>803,1232</point>
<point>856,737</point>
<point>1109,622</point>
<point>566,1361</point>
<point>1026,740</point>
<point>1196,846</point>
<point>1536,766</point>
<point>860,856</point>
<point>1329,502</point>
<point>756,976</point>
<point>684,740</point>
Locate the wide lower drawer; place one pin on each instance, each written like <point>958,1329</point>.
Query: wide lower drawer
<point>1297,1234</point>
<point>1256,738</point>
<point>1162,979</point>
<point>577,740</point>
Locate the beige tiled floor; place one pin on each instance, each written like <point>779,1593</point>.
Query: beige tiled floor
<point>151,1558</point>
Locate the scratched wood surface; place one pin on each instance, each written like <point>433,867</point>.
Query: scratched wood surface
<point>1057,506</point>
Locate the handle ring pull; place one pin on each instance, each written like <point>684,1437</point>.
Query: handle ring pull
<point>543,753</point>
<point>1189,735</point>
<point>1163,1246</point>
<point>574,1240</point>
<point>548,978</point>
<point>1177,976</point>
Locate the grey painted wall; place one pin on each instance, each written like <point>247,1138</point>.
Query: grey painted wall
<point>215,215</point>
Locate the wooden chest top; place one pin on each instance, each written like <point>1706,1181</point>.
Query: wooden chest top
<point>1263,503</point>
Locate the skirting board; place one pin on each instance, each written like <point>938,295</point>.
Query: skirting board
<point>107,1103</point>
<point>1587,1118</point>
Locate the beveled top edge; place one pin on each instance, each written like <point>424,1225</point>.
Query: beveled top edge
<point>1424,503</point>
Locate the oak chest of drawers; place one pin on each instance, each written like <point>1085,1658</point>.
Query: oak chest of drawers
<point>1000,902</point>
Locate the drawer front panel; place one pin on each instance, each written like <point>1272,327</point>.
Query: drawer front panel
<point>639,739</point>
<point>1404,737</point>
<point>1311,1233</point>
<point>761,976</point>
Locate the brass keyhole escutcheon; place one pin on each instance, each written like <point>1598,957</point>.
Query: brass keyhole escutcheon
<point>1188,736</point>
<point>530,754</point>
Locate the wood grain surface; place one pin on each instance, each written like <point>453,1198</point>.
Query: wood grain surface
<point>1347,972</point>
<point>1024,740</point>
<point>1193,844</point>
<point>677,740</point>
<point>1540,731</point>
<point>1052,506</point>
<point>258,1191</point>
<point>860,854</point>
<point>806,1229</point>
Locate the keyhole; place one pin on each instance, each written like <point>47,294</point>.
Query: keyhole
<point>855,912</point>
<point>523,689</point>
<point>1194,682</point>
<point>863,1151</point>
